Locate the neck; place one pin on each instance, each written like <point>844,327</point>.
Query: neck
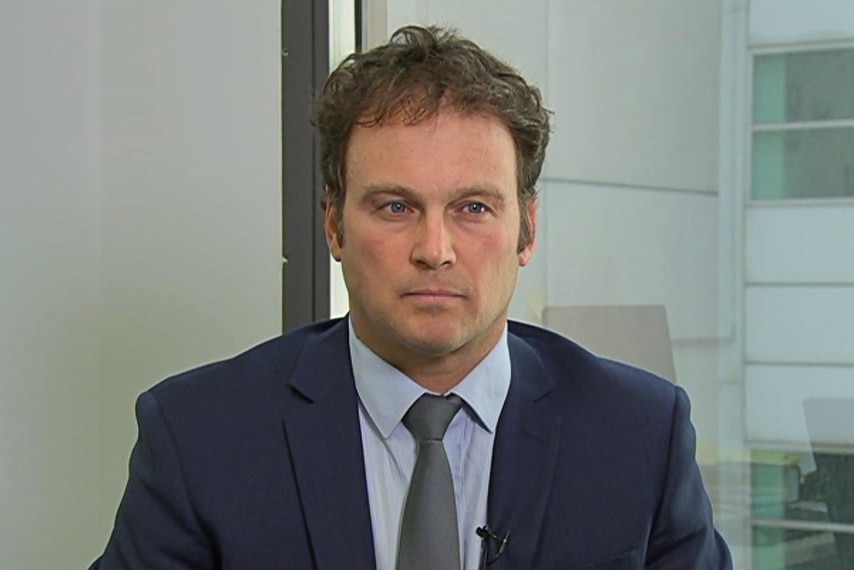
<point>437,372</point>
<point>439,377</point>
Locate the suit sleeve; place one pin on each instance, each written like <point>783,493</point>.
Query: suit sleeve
<point>155,526</point>
<point>683,535</point>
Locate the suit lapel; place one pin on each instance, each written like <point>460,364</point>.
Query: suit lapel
<point>524,457</point>
<point>325,444</point>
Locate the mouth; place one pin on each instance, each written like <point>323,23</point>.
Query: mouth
<point>434,295</point>
<point>433,292</point>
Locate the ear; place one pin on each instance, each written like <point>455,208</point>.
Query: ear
<point>332,229</point>
<point>528,251</point>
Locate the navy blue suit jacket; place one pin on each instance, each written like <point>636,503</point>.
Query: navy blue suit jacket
<point>256,463</point>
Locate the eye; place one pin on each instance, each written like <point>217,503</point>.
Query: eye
<point>396,207</point>
<point>475,208</point>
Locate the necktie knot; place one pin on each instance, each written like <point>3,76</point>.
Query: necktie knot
<point>429,417</point>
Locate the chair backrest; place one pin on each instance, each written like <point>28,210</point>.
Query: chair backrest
<point>634,334</point>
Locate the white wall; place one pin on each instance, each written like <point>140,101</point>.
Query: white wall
<point>775,22</point>
<point>49,283</point>
<point>191,195</point>
<point>139,235</point>
<point>634,86</point>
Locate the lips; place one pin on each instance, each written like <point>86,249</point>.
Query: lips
<point>434,293</point>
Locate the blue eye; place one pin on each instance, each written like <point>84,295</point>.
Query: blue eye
<point>396,207</point>
<point>475,208</point>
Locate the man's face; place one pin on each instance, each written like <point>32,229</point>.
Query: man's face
<point>430,237</point>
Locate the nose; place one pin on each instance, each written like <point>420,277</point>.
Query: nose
<point>433,245</point>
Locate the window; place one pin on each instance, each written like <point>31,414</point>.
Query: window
<point>803,125</point>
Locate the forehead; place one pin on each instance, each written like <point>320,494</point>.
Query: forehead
<point>449,148</point>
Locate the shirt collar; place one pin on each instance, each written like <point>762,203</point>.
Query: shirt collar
<point>387,393</point>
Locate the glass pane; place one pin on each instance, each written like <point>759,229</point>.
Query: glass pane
<point>802,506</point>
<point>808,86</point>
<point>815,163</point>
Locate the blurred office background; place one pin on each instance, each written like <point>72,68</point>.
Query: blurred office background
<point>702,165</point>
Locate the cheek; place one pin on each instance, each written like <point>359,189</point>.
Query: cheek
<point>370,255</point>
<point>496,260</point>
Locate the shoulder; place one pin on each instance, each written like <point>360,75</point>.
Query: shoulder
<point>609,406</point>
<point>257,375</point>
<point>580,375</point>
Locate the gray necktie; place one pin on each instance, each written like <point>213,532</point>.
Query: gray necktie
<point>429,535</point>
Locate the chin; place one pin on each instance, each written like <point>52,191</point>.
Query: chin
<point>433,345</point>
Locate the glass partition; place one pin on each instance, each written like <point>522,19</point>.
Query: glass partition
<point>702,176</point>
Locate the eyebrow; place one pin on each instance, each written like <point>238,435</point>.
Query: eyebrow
<point>408,193</point>
<point>372,190</point>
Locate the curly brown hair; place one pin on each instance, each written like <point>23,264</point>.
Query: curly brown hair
<point>411,78</point>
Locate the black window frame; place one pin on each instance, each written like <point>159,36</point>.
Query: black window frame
<point>305,257</point>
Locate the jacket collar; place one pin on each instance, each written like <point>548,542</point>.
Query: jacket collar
<point>325,443</point>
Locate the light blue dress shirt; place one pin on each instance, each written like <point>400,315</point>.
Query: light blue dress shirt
<point>385,394</point>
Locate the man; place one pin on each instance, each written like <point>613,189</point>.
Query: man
<point>305,452</point>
